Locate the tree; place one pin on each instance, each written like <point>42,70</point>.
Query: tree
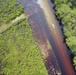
<point>62,10</point>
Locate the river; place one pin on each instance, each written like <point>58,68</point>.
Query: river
<point>41,12</point>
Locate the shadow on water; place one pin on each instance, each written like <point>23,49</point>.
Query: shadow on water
<point>71,55</point>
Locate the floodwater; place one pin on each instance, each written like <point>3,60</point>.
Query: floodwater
<point>44,23</point>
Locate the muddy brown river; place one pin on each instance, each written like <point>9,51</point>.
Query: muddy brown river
<point>45,27</point>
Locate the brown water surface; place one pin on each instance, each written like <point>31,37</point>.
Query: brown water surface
<point>47,33</point>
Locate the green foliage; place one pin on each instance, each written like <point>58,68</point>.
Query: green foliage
<point>19,54</point>
<point>73,2</point>
<point>62,10</point>
<point>74,61</point>
<point>66,12</point>
<point>71,42</point>
<point>9,9</point>
<point>59,1</point>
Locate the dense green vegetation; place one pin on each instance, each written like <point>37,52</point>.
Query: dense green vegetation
<point>19,54</point>
<point>66,12</point>
<point>9,9</point>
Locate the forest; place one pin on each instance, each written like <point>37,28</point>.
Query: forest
<point>19,53</point>
<point>9,9</point>
<point>66,13</point>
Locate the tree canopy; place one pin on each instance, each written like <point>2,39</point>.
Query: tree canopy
<point>9,9</point>
<point>19,53</point>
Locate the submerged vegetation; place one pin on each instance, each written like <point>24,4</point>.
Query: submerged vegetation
<point>19,53</point>
<point>66,12</point>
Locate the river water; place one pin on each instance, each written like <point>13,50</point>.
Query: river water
<point>42,12</point>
